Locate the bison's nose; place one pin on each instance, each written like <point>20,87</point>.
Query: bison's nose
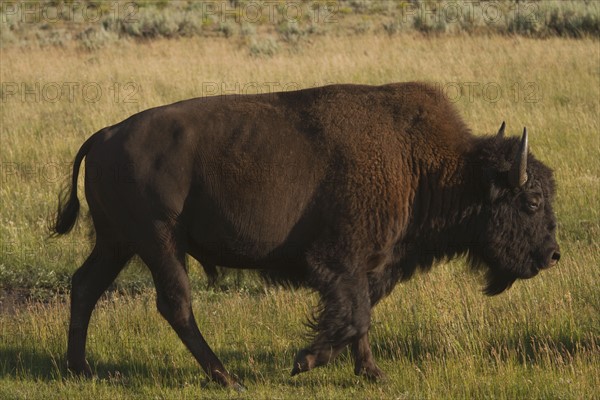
<point>555,258</point>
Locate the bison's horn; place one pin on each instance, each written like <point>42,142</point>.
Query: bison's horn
<point>500,133</point>
<point>518,172</point>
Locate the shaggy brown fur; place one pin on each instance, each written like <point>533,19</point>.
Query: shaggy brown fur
<point>351,187</point>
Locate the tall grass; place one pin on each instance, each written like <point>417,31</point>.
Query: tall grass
<point>436,336</point>
<point>432,343</point>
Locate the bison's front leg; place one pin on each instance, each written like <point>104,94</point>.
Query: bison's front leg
<point>364,363</point>
<point>345,318</point>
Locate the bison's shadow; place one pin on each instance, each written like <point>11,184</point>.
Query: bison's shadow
<point>19,363</point>
<point>39,365</point>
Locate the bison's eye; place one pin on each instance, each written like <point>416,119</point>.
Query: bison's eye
<point>533,206</point>
<point>532,202</point>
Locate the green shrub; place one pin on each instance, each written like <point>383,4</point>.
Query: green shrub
<point>94,38</point>
<point>267,47</point>
<point>163,19</point>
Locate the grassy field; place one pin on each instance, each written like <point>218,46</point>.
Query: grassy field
<point>436,336</point>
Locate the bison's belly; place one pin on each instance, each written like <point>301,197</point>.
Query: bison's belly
<point>248,229</point>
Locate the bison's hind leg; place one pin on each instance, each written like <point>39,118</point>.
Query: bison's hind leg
<point>92,279</point>
<point>164,254</point>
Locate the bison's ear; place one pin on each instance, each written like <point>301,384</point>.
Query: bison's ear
<point>517,176</point>
<point>500,134</point>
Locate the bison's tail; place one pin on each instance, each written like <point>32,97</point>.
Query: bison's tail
<point>68,203</point>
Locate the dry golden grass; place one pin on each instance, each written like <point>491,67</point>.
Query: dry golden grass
<point>436,336</point>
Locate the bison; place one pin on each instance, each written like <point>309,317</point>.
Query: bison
<point>352,188</point>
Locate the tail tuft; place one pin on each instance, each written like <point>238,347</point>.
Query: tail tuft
<point>68,203</point>
<point>66,215</point>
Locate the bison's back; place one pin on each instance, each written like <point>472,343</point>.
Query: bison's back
<point>255,174</point>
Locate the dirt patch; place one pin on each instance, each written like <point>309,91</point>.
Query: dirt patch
<point>17,299</point>
<point>13,299</point>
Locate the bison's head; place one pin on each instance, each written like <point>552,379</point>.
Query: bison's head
<point>518,230</point>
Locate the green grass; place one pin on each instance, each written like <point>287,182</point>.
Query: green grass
<point>436,336</point>
<point>468,347</point>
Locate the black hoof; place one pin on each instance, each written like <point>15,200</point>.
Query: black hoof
<point>372,374</point>
<point>304,361</point>
<point>81,369</point>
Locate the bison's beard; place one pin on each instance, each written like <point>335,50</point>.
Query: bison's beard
<point>497,282</point>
